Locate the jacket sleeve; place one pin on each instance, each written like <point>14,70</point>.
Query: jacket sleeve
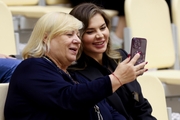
<point>46,86</point>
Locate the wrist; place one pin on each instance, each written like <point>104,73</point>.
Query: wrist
<point>117,79</point>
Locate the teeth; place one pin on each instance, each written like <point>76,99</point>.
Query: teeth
<point>99,43</point>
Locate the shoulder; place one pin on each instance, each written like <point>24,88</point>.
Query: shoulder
<point>31,61</point>
<point>35,63</point>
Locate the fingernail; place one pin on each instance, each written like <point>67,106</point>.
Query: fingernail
<point>129,55</point>
<point>146,62</point>
<point>146,70</point>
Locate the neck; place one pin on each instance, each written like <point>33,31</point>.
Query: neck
<point>97,57</point>
<point>98,60</point>
<point>58,64</point>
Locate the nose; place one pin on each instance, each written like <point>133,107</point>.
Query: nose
<point>77,40</point>
<point>99,34</point>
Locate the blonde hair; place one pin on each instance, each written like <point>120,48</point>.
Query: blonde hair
<point>49,25</point>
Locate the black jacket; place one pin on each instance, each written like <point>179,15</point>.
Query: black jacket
<point>128,99</point>
<point>39,90</point>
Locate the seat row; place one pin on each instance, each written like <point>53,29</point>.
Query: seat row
<point>150,19</point>
<point>144,28</point>
<point>25,14</point>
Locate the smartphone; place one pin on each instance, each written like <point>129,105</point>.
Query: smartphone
<point>138,45</point>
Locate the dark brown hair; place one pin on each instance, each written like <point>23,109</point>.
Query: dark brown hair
<point>84,12</point>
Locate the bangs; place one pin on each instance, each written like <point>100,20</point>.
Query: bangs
<point>63,23</point>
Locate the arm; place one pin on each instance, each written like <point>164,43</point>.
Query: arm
<point>47,87</point>
<point>54,89</point>
<point>5,56</point>
<point>11,56</point>
<point>7,67</point>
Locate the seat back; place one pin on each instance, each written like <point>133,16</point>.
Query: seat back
<point>175,5</point>
<point>153,90</point>
<point>7,38</point>
<point>3,94</point>
<point>20,2</point>
<point>54,2</point>
<point>150,19</point>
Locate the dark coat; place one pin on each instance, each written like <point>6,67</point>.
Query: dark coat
<point>39,90</point>
<point>128,99</point>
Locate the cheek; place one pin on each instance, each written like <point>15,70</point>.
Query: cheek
<point>87,39</point>
<point>57,45</point>
<point>54,43</point>
<point>106,33</point>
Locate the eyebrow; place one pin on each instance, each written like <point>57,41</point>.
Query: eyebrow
<point>93,28</point>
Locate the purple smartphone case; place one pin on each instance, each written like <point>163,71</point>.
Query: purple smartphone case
<point>138,45</point>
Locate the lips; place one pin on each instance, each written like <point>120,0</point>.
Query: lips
<point>99,43</point>
<point>74,50</point>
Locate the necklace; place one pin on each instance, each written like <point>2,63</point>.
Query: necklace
<point>52,60</point>
<point>59,69</point>
<point>76,82</point>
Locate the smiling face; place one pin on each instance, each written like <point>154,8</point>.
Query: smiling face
<point>64,48</point>
<point>96,37</point>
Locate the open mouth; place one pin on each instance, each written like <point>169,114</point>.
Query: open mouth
<point>99,43</point>
<point>74,50</point>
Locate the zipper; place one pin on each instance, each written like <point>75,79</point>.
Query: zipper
<point>96,108</point>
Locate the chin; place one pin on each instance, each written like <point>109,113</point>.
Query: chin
<point>103,50</point>
<point>72,59</point>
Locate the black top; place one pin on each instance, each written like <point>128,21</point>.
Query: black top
<point>128,99</point>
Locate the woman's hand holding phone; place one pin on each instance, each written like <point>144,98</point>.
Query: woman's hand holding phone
<point>127,71</point>
<point>133,66</point>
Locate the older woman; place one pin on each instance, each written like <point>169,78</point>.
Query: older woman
<point>42,89</point>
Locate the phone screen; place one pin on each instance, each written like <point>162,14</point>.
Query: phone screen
<point>138,45</point>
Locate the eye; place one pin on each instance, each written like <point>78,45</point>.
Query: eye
<point>69,34</point>
<point>103,28</point>
<point>89,32</point>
